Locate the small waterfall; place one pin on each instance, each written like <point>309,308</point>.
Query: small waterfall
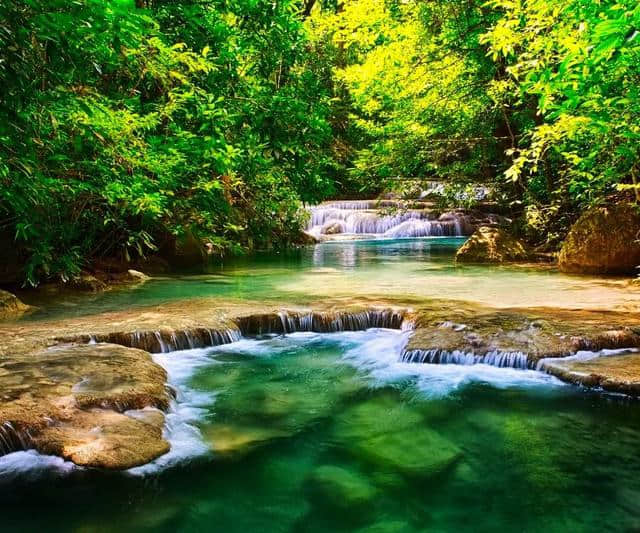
<point>364,218</point>
<point>291,322</point>
<point>12,439</point>
<point>163,341</point>
<point>497,358</point>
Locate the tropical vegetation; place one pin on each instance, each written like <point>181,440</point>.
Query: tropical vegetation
<point>127,124</point>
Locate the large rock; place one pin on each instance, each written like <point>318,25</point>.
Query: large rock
<point>604,240</point>
<point>87,282</point>
<point>11,306</point>
<point>619,374</point>
<point>79,402</point>
<point>342,488</point>
<point>491,244</point>
<point>332,228</point>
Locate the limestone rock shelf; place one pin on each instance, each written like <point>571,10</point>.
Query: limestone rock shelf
<point>62,394</point>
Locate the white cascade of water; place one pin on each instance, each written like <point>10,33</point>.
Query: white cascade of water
<point>358,218</point>
<point>498,358</point>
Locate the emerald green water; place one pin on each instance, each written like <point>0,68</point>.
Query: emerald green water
<point>400,268</point>
<point>328,432</point>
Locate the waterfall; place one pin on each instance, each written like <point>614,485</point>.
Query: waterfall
<point>164,340</point>
<point>12,439</point>
<point>282,322</point>
<point>499,358</point>
<point>291,322</point>
<point>364,218</point>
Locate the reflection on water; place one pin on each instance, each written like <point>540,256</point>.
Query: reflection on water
<point>415,268</point>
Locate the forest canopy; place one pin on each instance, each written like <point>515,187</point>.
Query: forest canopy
<point>126,125</point>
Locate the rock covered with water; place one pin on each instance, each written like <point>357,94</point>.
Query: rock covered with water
<point>394,437</point>
<point>612,373</point>
<point>11,306</point>
<point>604,240</point>
<point>342,488</point>
<point>491,244</point>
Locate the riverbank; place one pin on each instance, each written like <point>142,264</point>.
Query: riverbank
<point>83,361</point>
<point>103,382</point>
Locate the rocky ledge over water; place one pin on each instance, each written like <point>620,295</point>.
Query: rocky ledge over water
<point>87,389</point>
<point>96,405</point>
<point>516,338</point>
<point>612,373</point>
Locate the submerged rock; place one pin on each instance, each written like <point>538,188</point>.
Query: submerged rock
<point>232,439</point>
<point>491,244</point>
<point>392,436</point>
<point>417,452</point>
<point>604,240</point>
<point>11,306</point>
<point>342,488</point>
<point>387,526</point>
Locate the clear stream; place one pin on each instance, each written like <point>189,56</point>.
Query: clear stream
<point>414,268</point>
<point>330,432</point>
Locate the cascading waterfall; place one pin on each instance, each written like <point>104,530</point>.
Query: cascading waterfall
<point>499,358</point>
<point>364,218</point>
<point>291,322</point>
<point>283,322</point>
<point>12,439</point>
<point>163,341</point>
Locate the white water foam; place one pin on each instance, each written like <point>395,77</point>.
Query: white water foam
<point>30,465</point>
<point>378,353</point>
<point>189,407</point>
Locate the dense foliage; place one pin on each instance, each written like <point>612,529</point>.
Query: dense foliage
<point>121,126</point>
<point>539,97</point>
<point>126,125</point>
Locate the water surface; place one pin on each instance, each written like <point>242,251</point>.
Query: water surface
<point>329,432</point>
<point>401,268</point>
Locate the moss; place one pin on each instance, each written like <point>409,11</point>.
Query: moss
<point>11,306</point>
<point>490,244</point>
<point>604,240</point>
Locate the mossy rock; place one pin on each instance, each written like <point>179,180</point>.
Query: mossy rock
<point>491,244</point>
<point>394,437</point>
<point>11,306</point>
<point>604,240</point>
<point>342,488</point>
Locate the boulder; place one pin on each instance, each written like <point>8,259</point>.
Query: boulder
<point>604,240</point>
<point>98,405</point>
<point>306,238</point>
<point>332,229</point>
<point>11,306</point>
<point>491,244</point>
<point>87,282</point>
<point>136,275</point>
<point>342,488</point>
